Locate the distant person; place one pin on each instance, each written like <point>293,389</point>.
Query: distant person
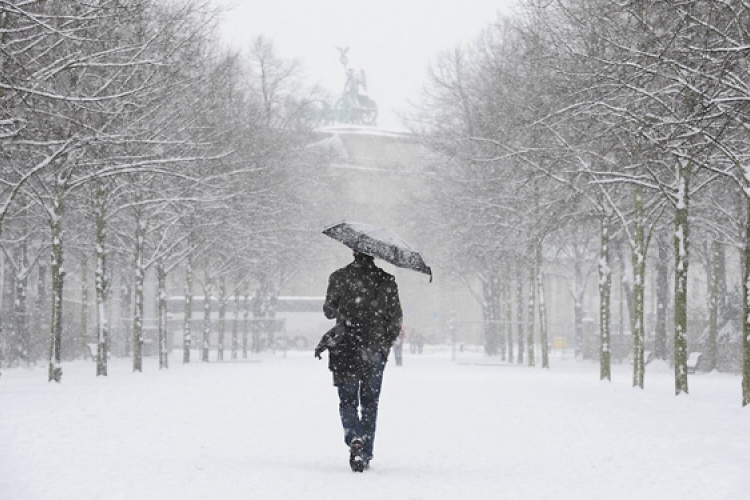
<point>363,299</point>
<point>398,347</point>
<point>419,340</point>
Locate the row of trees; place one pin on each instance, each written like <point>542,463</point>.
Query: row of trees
<point>630,118</point>
<point>129,141</point>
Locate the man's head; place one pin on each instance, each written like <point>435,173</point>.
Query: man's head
<point>362,256</point>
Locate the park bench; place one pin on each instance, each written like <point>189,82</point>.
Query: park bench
<point>92,350</point>
<point>693,360</point>
<point>648,356</point>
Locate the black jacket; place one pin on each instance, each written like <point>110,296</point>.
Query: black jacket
<point>363,299</point>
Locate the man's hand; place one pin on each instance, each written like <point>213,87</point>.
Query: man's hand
<point>318,351</point>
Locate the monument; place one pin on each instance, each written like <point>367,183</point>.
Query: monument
<point>353,106</point>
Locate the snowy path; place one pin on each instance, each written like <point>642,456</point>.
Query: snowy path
<point>269,429</point>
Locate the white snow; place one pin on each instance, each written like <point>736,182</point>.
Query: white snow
<point>471,429</point>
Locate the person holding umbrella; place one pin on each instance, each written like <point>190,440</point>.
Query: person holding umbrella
<point>364,301</point>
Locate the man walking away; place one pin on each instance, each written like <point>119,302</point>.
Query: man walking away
<point>363,299</point>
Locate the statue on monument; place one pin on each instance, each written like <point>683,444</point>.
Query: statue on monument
<point>353,106</point>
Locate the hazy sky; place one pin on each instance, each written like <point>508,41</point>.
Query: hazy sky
<point>392,40</point>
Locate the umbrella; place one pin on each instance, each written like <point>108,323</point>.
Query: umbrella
<point>378,242</point>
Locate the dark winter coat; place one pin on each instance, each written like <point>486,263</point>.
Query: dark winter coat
<point>363,299</point>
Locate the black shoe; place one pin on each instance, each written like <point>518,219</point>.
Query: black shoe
<point>356,461</point>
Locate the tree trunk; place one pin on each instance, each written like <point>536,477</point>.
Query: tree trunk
<point>746,311</point>
<point>162,316</point>
<point>662,299</point>
<point>605,295</point>
<point>109,312</point>
<point>9,298</point>
<point>507,300</point>
<point>187,333</point>
<point>485,305</point>
<point>530,344</point>
<point>236,325</point>
<point>626,289</point>
<point>205,345</point>
<point>2,306</point>
<point>245,322</point>
<point>58,282</point>
<point>713,305</point>
<point>580,342</point>
<point>256,323</point>
<point>21,323</point>
<point>140,233</point>
<point>101,284</point>
<point>542,311</point>
<point>222,316</point>
<point>681,243</point>
<point>126,304</point>
<point>519,313</point>
<point>639,276</point>
<point>499,327</point>
<point>489,309</point>
<point>40,302</point>
<point>83,340</point>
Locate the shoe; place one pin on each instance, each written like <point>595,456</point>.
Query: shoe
<point>356,461</point>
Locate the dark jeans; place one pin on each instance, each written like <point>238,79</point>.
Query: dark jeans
<point>364,392</point>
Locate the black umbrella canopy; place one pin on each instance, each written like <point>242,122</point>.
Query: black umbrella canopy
<point>378,242</point>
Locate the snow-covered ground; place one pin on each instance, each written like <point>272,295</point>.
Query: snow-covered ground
<point>268,428</point>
